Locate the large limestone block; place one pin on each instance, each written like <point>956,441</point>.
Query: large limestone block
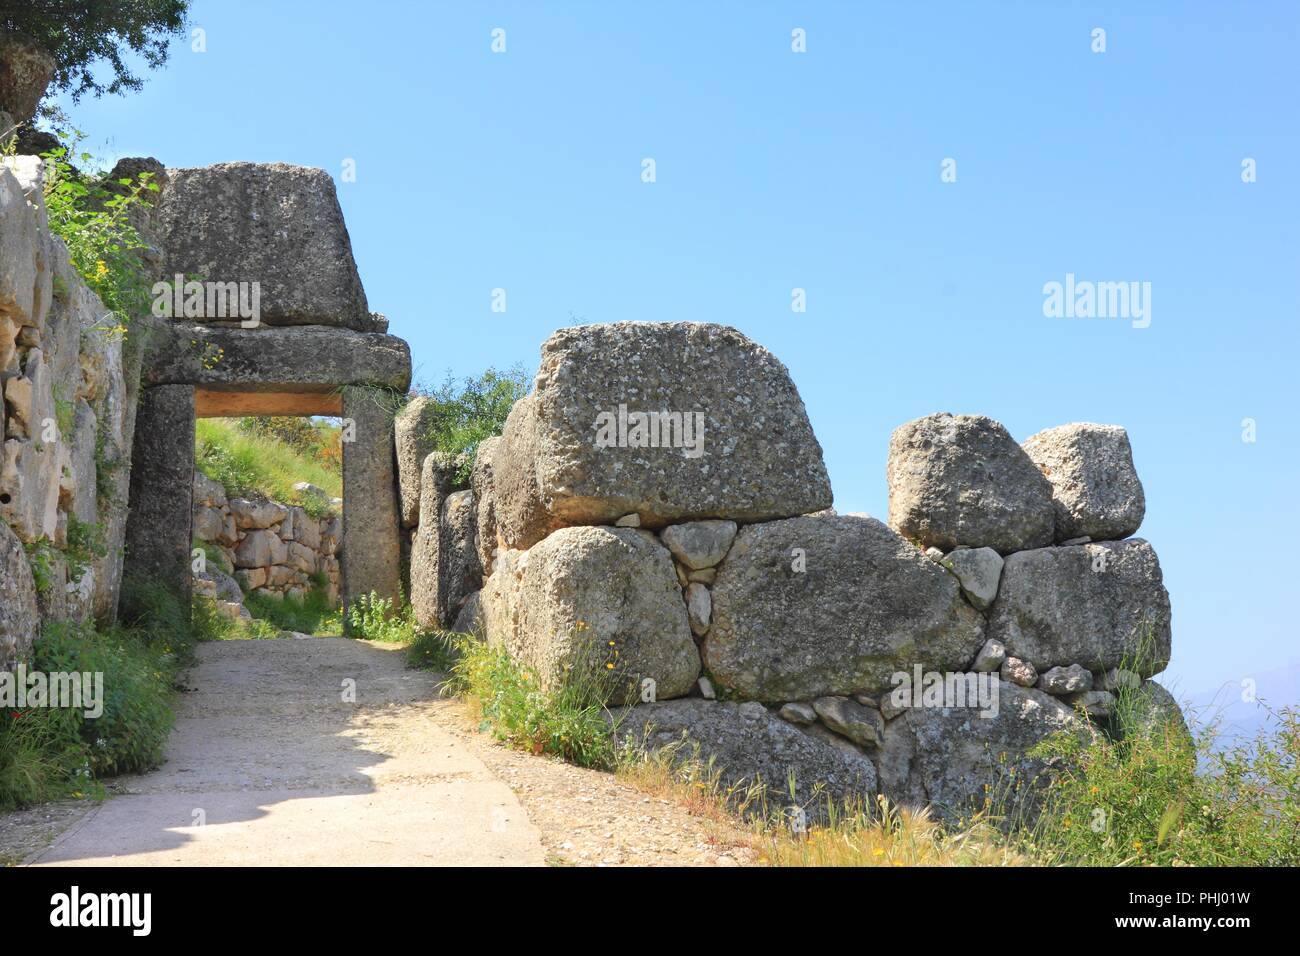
<point>411,430</point>
<point>273,223</point>
<point>824,605</point>
<point>561,604</point>
<point>1101,605</point>
<point>208,493</point>
<point>1095,488</point>
<point>749,744</point>
<point>437,475</point>
<point>269,359</point>
<point>158,537</point>
<point>372,556</point>
<point>482,482</point>
<point>26,264</point>
<point>257,514</point>
<point>82,464</point>
<point>944,758</point>
<point>962,480</point>
<point>573,450</point>
<point>460,571</point>
<point>19,615</point>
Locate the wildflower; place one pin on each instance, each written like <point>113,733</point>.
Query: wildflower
<point>101,269</point>
<point>1137,845</point>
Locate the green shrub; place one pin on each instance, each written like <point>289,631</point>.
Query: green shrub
<point>570,721</point>
<point>94,221</point>
<point>373,618</point>
<point>42,758</point>
<point>467,411</point>
<point>310,615</point>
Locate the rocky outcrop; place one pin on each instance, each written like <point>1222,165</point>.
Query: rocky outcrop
<point>434,545</point>
<point>460,571</point>
<point>1095,488</point>
<point>815,606</point>
<point>670,421</point>
<point>483,483</point>
<point>271,223</point>
<point>1101,605</point>
<point>413,438</point>
<point>962,480</point>
<point>604,599</point>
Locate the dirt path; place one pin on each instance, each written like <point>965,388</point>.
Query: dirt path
<point>269,765</point>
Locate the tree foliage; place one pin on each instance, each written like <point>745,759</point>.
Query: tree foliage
<point>81,33</point>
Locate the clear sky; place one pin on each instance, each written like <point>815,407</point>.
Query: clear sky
<point>821,170</point>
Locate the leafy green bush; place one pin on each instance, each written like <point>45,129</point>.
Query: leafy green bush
<point>466,412</point>
<point>310,615</point>
<point>94,222</point>
<point>373,618</point>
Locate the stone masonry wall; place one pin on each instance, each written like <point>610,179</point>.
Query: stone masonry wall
<point>269,548</point>
<point>922,657</point>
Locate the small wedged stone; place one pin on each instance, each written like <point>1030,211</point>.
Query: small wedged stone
<point>850,719</point>
<point>699,544</point>
<point>1061,681</point>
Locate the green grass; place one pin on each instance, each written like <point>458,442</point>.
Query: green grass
<point>433,651</point>
<point>1151,797</point>
<point>570,722</point>
<point>309,615</point>
<point>248,464</point>
<point>48,753</point>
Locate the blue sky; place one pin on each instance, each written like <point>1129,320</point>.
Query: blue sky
<point>821,170</point>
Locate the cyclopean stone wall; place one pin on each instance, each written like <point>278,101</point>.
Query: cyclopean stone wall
<point>69,381</point>
<point>714,582</point>
<point>277,550</point>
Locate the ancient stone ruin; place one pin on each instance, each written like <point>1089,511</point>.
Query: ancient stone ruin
<point>657,508</point>
<point>703,565</point>
<point>99,427</point>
